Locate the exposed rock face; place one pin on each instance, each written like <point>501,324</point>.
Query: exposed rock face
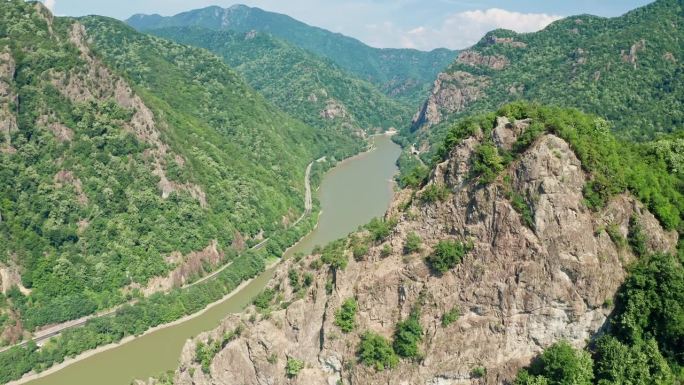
<point>492,39</point>
<point>451,93</point>
<point>334,109</point>
<point>631,57</point>
<point>187,267</point>
<point>8,100</point>
<point>519,290</point>
<point>473,58</point>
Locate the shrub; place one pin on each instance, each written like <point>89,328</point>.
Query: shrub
<point>345,317</point>
<point>560,364</point>
<point>487,163</point>
<point>636,237</point>
<point>412,244</point>
<point>451,316</point>
<point>407,335</point>
<point>380,229</point>
<point>522,208</point>
<point>375,351</point>
<point>434,192</point>
<point>293,367</point>
<point>263,300</point>
<point>479,372</point>
<point>386,250</point>
<point>447,255</point>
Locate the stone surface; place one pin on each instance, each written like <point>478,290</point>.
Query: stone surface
<point>451,93</point>
<point>519,290</point>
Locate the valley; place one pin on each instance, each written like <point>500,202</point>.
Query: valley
<point>233,196</point>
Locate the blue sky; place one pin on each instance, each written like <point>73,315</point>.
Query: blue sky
<point>422,24</point>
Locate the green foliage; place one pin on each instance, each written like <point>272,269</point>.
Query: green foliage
<point>264,299</point>
<point>386,250</point>
<point>412,243</point>
<point>345,317</point>
<point>407,334</point>
<point>403,73</point>
<point>293,367</point>
<point>446,255</point>
<point>129,320</point>
<point>298,81</point>
<point>560,364</point>
<point>434,192</point>
<point>380,229</point>
<point>451,316</point>
<point>641,363</point>
<point>636,237</point>
<point>359,247</point>
<point>614,165</point>
<point>335,254</point>
<point>487,163</point>
<point>205,353</point>
<point>650,305</point>
<point>375,351</point>
<point>642,98</point>
<point>479,372</point>
<point>520,205</point>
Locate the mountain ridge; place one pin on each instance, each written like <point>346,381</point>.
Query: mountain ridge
<point>403,73</point>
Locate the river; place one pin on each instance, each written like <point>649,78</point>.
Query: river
<point>355,191</point>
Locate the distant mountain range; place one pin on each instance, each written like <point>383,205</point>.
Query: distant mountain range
<point>400,73</point>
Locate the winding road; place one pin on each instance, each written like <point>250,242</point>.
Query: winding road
<point>55,330</point>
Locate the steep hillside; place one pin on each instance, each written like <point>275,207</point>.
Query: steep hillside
<point>497,258</point>
<point>308,87</point>
<point>402,73</point>
<point>125,157</point>
<point>628,69</point>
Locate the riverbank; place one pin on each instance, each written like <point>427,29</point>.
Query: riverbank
<point>350,194</point>
<point>31,376</point>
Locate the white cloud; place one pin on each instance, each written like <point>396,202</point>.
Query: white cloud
<point>50,4</point>
<point>459,30</point>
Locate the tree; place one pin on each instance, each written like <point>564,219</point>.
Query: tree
<point>447,255</point>
<point>345,317</point>
<point>560,364</point>
<point>376,351</point>
<point>407,335</point>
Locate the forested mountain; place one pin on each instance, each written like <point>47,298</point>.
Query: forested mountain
<point>402,73</point>
<point>124,156</point>
<point>627,69</point>
<point>307,86</point>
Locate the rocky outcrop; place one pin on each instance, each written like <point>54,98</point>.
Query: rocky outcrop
<point>509,41</point>
<point>67,178</point>
<point>522,287</point>
<point>631,57</point>
<point>187,267</point>
<point>333,109</point>
<point>476,59</point>
<point>8,100</point>
<point>451,93</point>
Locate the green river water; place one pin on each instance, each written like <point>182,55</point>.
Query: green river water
<point>351,194</point>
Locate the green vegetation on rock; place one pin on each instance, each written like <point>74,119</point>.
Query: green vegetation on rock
<point>377,352</point>
<point>345,316</point>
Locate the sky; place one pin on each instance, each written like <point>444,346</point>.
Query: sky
<point>421,24</point>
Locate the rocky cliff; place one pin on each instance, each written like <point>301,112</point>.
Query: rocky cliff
<point>528,280</point>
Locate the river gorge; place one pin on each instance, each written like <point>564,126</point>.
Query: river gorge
<point>355,191</point>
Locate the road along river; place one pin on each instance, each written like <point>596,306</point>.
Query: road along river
<point>355,191</point>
